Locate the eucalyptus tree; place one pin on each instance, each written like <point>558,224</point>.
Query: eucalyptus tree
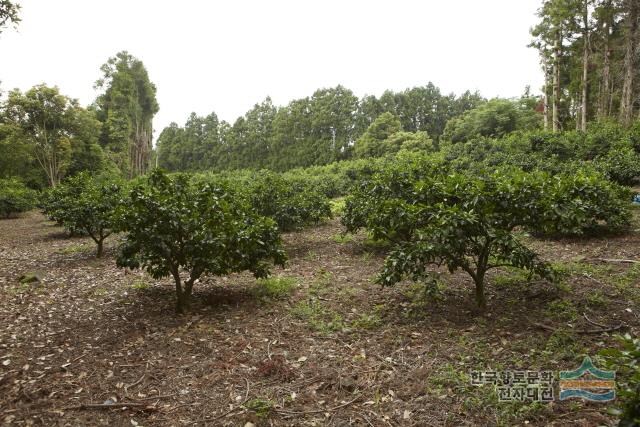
<point>126,109</point>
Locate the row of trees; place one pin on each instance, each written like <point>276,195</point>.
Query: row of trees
<point>182,226</point>
<point>315,130</point>
<point>45,135</point>
<point>589,54</point>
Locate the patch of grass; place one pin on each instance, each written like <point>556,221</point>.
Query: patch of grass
<point>561,345</point>
<point>376,245</point>
<point>73,249</point>
<point>510,280</point>
<point>626,281</point>
<point>311,256</point>
<point>261,407</point>
<point>447,378</point>
<point>273,287</point>
<point>319,318</point>
<point>139,285</point>
<point>366,256</point>
<point>562,309</point>
<point>422,295</point>
<point>369,321</point>
<point>321,283</point>
<point>19,288</point>
<point>596,299</point>
<point>342,238</point>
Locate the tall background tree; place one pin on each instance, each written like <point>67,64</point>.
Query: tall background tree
<point>9,13</point>
<point>589,55</point>
<point>126,109</point>
<point>50,130</point>
<point>318,129</point>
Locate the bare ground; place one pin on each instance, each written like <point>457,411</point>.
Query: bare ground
<point>336,350</point>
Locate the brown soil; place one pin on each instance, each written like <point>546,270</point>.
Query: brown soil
<point>339,350</point>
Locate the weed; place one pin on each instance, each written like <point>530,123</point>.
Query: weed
<point>342,238</point>
<point>140,285</point>
<point>319,318</point>
<point>562,309</point>
<point>273,287</point>
<point>262,407</point>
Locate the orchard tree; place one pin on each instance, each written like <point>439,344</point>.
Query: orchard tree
<point>185,230</point>
<point>85,205</point>
<point>452,220</point>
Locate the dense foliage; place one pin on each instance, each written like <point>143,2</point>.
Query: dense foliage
<point>126,110</point>
<point>15,198</point>
<point>495,119</point>
<point>588,51</point>
<point>316,130</point>
<point>85,205</point>
<point>626,363</point>
<point>44,129</point>
<point>468,222</point>
<point>174,225</point>
<point>292,203</point>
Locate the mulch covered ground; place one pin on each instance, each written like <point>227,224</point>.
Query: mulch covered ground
<point>334,350</point>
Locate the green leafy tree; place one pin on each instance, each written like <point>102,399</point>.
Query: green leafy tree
<point>85,205</point>
<point>626,362</point>
<point>174,226</point>
<point>126,110</point>
<point>9,13</point>
<point>45,119</point>
<point>495,119</point>
<point>372,142</point>
<point>290,204</point>
<point>15,198</point>
<point>452,220</point>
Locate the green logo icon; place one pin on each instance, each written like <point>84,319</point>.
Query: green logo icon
<point>588,382</point>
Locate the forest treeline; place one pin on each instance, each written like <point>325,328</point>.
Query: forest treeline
<point>315,130</point>
<point>589,57</point>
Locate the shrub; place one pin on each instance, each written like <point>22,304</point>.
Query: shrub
<point>621,165</point>
<point>175,226</point>
<point>467,222</point>
<point>15,198</point>
<point>290,204</point>
<point>85,205</point>
<point>580,203</point>
<point>453,220</point>
<point>626,362</point>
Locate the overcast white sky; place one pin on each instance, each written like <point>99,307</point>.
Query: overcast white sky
<point>225,56</point>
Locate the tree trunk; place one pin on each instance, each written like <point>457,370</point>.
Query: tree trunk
<point>481,299</point>
<point>626,102</point>
<point>100,248</point>
<point>556,82</point>
<point>545,100</point>
<point>585,65</point>
<point>183,293</point>
<point>605,85</point>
